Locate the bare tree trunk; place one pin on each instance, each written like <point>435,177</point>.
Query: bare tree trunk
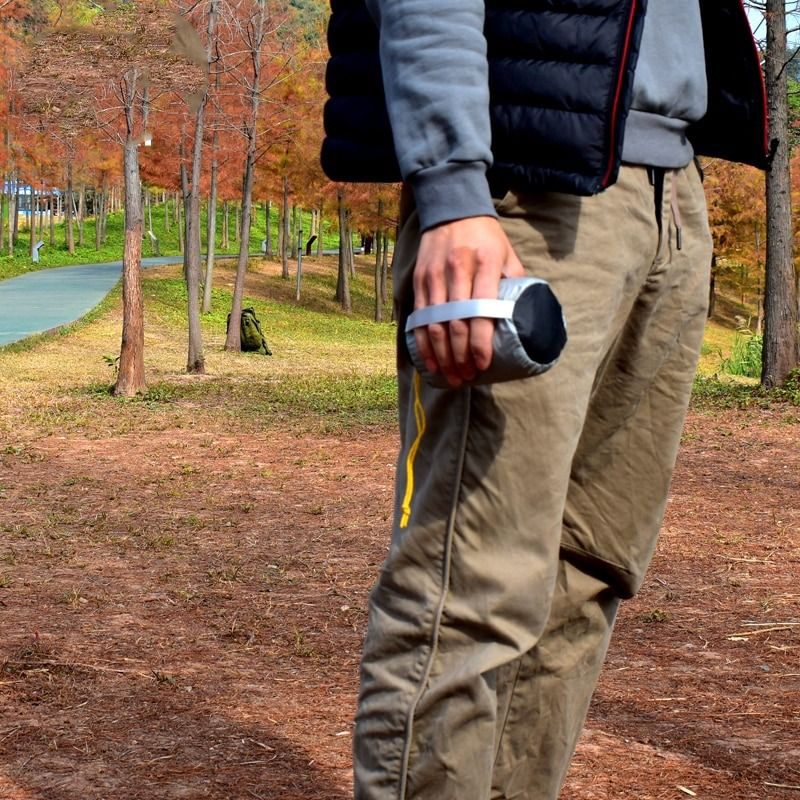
<point>98,217</point>
<point>285,230</point>
<point>225,226</point>
<point>81,213</point>
<point>378,299</point>
<point>12,194</point>
<point>3,212</point>
<point>341,259</point>
<point>11,212</point>
<point>781,352</point>
<point>52,220</point>
<point>343,283</point>
<point>130,379</point>
<point>299,273</point>
<point>268,232</point>
<point>233,340</point>
<point>294,232</point>
<point>17,204</point>
<point>196,361</point>
<point>184,183</point>
<point>32,225</point>
<point>385,269</point>
<point>68,210</point>
<point>351,259</point>
<point>211,246</point>
<point>166,213</point>
<point>104,209</point>
<point>281,236</point>
<point>39,215</point>
<point>380,235</point>
<point>181,229</point>
<point>42,209</point>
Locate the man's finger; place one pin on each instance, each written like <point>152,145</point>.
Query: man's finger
<point>460,272</point>
<point>481,330</point>
<point>439,337</point>
<point>481,335</point>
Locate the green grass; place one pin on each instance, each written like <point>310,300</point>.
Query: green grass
<point>712,393</point>
<point>58,255</point>
<point>745,357</point>
<point>717,345</point>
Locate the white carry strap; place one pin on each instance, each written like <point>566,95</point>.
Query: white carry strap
<point>461,309</point>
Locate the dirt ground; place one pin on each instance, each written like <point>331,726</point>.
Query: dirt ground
<point>182,615</point>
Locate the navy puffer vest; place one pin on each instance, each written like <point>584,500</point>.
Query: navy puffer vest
<point>561,80</point>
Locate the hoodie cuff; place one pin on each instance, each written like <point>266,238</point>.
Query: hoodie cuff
<point>450,192</point>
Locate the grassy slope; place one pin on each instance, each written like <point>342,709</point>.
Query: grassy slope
<point>328,370</point>
<point>58,256</point>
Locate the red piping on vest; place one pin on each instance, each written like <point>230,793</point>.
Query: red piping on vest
<point>618,94</point>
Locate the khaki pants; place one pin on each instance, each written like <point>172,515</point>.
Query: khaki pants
<point>526,510</point>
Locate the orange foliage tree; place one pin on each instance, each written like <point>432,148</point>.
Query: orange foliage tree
<point>737,216</point>
<point>119,60</point>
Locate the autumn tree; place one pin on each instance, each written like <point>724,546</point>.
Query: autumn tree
<point>119,60</point>
<point>189,44</point>
<point>781,335</point>
<point>268,60</point>
<point>737,217</point>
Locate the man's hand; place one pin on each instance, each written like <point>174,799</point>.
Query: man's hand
<point>461,260</point>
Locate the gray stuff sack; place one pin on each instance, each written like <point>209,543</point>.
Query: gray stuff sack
<point>529,334</point>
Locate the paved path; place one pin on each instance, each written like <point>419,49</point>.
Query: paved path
<point>48,298</point>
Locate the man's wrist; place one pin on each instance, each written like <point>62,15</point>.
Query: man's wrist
<point>451,192</point>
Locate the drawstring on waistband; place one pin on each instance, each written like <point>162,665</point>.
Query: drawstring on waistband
<point>676,212</point>
<point>656,176</point>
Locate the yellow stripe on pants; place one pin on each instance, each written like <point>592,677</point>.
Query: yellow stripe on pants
<point>419,415</point>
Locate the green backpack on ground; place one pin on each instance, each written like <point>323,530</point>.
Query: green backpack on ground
<point>253,339</point>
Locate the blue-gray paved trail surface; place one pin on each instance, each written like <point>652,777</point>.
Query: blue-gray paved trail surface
<point>48,298</point>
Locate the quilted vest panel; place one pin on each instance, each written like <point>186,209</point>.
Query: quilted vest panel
<point>561,80</point>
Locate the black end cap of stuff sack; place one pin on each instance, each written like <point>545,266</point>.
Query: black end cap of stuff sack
<point>540,323</point>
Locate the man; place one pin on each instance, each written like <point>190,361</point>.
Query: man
<point>557,140</point>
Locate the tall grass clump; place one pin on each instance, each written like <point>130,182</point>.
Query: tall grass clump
<point>745,357</point>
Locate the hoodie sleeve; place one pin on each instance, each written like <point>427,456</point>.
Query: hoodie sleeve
<point>436,79</point>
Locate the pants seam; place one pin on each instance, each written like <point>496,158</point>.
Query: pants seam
<point>502,728</point>
<point>437,619</point>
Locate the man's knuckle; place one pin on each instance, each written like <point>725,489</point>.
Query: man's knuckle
<point>459,329</point>
<point>437,333</point>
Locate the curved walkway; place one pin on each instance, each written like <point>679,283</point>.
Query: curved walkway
<point>49,298</point>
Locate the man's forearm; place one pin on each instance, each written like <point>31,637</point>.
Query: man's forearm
<point>435,72</point>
